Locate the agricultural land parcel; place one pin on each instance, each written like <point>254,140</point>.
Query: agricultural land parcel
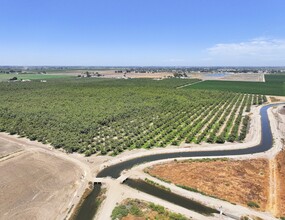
<point>273,85</point>
<point>111,115</point>
<point>6,77</point>
<point>236,181</point>
<point>33,185</point>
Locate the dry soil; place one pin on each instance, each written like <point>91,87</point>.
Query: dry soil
<point>36,185</point>
<point>237,181</point>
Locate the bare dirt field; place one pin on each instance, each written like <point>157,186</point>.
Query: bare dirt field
<point>253,77</point>
<point>36,185</point>
<point>244,77</point>
<point>237,181</point>
<point>116,73</point>
<point>112,73</point>
<point>273,99</point>
<point>280,160</point>
<point>7,148</point>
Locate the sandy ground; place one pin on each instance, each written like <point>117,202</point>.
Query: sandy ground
<point>7,148</point>
<point>33,186</point>
<point>273,99</point>
<point>38,182</point>
<point>237,181</point>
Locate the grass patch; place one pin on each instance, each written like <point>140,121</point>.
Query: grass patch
<point>253,204</point>
<point>202,193</point>
<point>144,210</point>
<point>119,212</point>
<point>6,77</point>
<point>157,185</point>
<point>206,160</point>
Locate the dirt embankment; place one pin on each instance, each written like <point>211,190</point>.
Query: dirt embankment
<point>243,182</point>
<point>280,178</point>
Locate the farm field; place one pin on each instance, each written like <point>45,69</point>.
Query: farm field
<point>244,182</point>
<point>6,77</point>
<point>108,116</point>
<point>273,85</point>
<point>246,77</point>
<point>33,185</point>
<point>132,209</point>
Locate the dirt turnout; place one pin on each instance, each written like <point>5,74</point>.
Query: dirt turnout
<point>36,185</point>
<point>237,181</point>
<point>280,160</point>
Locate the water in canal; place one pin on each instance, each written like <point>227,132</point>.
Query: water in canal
<point>90,205</point>
<point>170,197</point>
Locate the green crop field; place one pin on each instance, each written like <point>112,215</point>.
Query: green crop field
<point>110,115</point>
<point>273,85</point>
<point>6,77</point>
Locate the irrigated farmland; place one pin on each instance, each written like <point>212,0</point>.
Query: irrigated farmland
<point>110,115</point>
<point>274,85</point>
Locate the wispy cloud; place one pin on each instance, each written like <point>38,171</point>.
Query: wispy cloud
<point>259,51</point>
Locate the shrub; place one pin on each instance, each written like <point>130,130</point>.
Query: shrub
<point>134,210</point>
<point>119,212</point>
<point>157,208</point>
<point>253,204</point>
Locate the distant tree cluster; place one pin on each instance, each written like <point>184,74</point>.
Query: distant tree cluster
<point>180,75</point>
<point>88,74</point>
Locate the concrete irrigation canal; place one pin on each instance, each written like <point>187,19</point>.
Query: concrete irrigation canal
<point>114,171</point>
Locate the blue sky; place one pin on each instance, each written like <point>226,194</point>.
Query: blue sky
<point>142,32</point>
